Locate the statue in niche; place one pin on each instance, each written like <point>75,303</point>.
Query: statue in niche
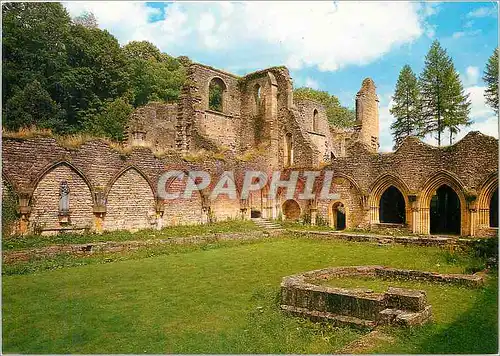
<point>64,198</point>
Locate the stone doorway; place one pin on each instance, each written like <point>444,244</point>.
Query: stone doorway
<point>445,211</point>
<point>339,216</point>
<point>392,207</point>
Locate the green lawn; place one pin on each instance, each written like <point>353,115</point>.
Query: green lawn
<point>36,241</point>
<point>220,299</point>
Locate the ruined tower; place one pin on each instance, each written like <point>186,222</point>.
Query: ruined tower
<point>367,125</point>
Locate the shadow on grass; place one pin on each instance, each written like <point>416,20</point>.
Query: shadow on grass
<point>474,332</point>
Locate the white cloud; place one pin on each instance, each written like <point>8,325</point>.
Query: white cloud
<point>459,34</point>
<point>311,83</point>
<point>328,35</point>
<point>385,121</point>
<point>471,76</point>
<point>484,11</point>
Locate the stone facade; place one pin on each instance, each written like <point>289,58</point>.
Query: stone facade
<point>259,126</point>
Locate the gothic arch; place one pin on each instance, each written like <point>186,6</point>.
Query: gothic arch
<point>130,201</point>
<point>486,191</point>
<point>429,189</point>
<point>52,166</point>
<point>379,186</point>
<point>120,173</point>
<point>44,198</point>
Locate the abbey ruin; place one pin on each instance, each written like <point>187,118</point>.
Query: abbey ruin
<point>257,126</point>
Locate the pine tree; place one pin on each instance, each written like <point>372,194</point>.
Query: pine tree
<point>444,104</point>
<point>457,104</point>
<point>406,108</point>
<point>491,79</point>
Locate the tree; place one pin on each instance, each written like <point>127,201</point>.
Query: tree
<point>34,37</point>
<point>87,19</point>
<point>154,76</point>
<point>407,107</point>
<point>491,79</point>
<point>444,104</point>
<point>33,106</point>
<point>337,114</point>
<point>97,74</point>
<point>111,121</point>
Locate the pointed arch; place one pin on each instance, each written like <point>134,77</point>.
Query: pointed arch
<point>44,198</point>
<point>121,172</point>
<point>130,201</point>
<point>486,191</point>
<point>379,187</point>
<point>429,189</point>
<point>53,166</point>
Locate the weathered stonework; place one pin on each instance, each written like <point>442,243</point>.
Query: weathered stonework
<point>301,295</point>
<point>260,127</point>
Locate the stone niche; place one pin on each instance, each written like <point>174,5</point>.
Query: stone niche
<point>301,295</point>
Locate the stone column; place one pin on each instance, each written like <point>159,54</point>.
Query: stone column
<point>314,213</point>
<point>24,211</point>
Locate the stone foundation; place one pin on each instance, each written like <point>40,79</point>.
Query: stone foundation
<point>302,296</point>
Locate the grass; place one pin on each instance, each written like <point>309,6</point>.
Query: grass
<point>218,298</point>
<point>36,241</point>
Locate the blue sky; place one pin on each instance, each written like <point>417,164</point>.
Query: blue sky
<point>330,46</point>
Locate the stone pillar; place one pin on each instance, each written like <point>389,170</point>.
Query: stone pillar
<point>160,209</point>
<point>24,211</point>
<point>205,215</point>
<point>473,220</point>
<point>314,213</point>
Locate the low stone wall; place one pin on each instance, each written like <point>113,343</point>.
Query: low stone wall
<point>301,295</point>
<point>10,257</point>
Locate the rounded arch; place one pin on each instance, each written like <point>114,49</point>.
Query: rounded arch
<point>124,170</point>
<point>379,187</point>
<point>217,89</point>
<point>338,214</point>
<point>53,166</point>
<point>315,120</point>
<point>484,200</point>
<point>291,210</point>
<point>429,189</point>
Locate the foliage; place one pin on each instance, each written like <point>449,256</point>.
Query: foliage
<point>444,103</point>
<point>86,19</point>
<point>336,114</point>
<point>70,76</point>
<point>112,120</point>
<point>9,210</point>
<point>31,106</point>
<point>406,108</point>
<point>491,79</point>
<point>215,96</point>
<point>154,76</point>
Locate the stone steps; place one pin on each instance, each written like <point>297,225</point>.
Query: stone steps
<point>270,227</point>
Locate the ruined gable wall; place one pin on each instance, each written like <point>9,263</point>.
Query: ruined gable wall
<point>157,122</point>
<point>219,128</point>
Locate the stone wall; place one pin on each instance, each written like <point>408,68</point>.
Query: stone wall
<point>130,203</point>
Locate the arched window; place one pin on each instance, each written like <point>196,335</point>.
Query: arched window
<point>392,206</point>
<point>257,96</point>
<point>494,209</point>
<point>445,211</point>
<point>216,91</point>
<point>315,120</point>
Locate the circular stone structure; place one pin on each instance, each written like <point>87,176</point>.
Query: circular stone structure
<point>301,295</point>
